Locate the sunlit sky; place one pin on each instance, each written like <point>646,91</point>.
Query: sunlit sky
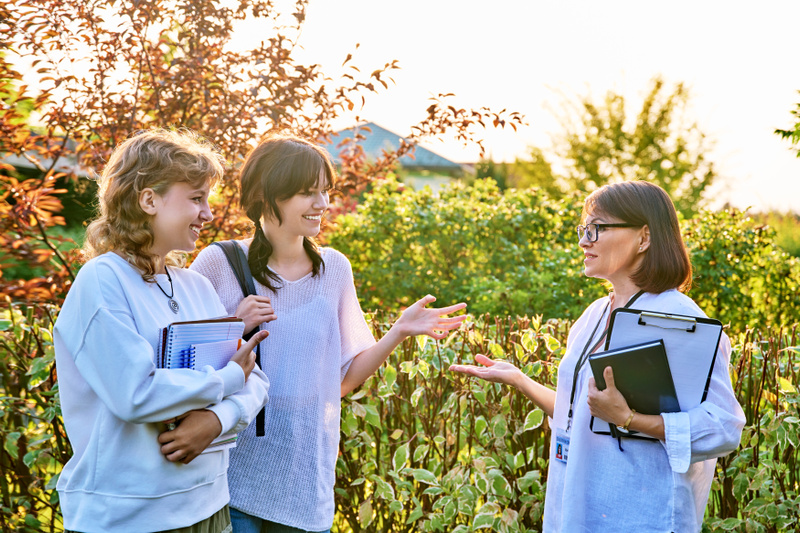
<point>738,58</point>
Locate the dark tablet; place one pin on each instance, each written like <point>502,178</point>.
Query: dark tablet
<point>642,375</point>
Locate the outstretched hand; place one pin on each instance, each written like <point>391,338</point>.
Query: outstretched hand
<point>419,320</point>
<point>495,371</point>
<point>609,403</point>
<point>508,374</point>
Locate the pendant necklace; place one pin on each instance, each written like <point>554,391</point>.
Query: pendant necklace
<point>172,303</point>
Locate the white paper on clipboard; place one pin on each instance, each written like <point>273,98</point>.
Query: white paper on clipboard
<point>691,344</point>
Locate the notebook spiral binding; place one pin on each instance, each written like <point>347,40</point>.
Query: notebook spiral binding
<point>188,357</point>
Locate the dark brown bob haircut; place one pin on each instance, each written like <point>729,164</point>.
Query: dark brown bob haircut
<point>281,166</point>
<point>666,263</point>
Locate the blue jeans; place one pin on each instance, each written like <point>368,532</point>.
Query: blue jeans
<point>245,523</point>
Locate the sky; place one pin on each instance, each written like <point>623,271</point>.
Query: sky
<point>737,58</point>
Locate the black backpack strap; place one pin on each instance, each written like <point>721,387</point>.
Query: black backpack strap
<point>238,261</point>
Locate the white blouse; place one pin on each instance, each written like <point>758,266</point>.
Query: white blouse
<point>648,486</point>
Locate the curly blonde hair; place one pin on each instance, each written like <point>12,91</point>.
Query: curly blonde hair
<point>155,159</point>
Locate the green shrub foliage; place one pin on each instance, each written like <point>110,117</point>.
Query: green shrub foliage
<point>742,276</point>
<point>515,253</point>
<point>423,449</point>
<point>509,253</point>
<point>34,443</point>
<point>426,450</point>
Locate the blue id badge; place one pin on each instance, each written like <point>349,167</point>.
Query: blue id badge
<point>562,445</point>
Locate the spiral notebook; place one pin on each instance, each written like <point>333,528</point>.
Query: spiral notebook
<point>201,343</point>
<point>176,340</point>
<point>213,354</point>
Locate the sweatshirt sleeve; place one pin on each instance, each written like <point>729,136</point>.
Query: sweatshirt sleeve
<point>236,411</point>
<point>117,364</point>
<point>713,428</point>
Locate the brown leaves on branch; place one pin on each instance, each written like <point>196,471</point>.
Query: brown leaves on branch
<point>31,202</point>
<point>466,125</point>
<point>104,69</point>
<point>27,209</point>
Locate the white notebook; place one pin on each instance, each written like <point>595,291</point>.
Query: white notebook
<point>176,340</point>
<point>214,354</point>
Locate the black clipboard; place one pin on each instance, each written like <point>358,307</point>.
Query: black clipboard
<point>691,344</point>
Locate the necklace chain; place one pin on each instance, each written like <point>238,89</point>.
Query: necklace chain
<point>172,303</point>
<point>171,288</point>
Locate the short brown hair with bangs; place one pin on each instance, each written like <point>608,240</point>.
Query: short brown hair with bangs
<point>155,159</point>
<point>666,263</point>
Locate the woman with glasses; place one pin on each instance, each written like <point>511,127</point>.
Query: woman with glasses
<point>630,238</point>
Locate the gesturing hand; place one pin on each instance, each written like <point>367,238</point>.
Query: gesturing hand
<point>255,310</point>
<point>495,371</point>
<point>193,435</point>
<point>419,320</point>
<point>609,403</point>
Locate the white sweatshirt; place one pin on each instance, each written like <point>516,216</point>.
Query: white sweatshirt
<point>113,399</point>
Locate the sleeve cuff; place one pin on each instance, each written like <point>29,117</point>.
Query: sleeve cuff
<point>678,441</point>
<point>228,414</point>
<point>345,368</point>
<point>232,378</point>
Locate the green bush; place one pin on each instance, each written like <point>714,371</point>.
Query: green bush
<point>787,229</point>
<point>515,253</point>
<point>757,489</point>
<point>423,449</point>
<point>508,253</point>
<point>741,276</point>
<point>34,443</point>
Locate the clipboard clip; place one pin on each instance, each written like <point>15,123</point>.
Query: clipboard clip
<point>666,321</point>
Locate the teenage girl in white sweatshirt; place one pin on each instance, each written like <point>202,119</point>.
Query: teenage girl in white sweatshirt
<point>127,472</point>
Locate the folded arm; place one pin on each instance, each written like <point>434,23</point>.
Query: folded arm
<point>117,364</point>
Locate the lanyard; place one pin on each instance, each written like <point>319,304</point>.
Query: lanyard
<point>586,352</point>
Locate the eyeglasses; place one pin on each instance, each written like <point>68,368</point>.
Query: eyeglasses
<point>591,231</point>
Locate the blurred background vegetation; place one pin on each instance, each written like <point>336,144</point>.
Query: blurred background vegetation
<point>422,450</point>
